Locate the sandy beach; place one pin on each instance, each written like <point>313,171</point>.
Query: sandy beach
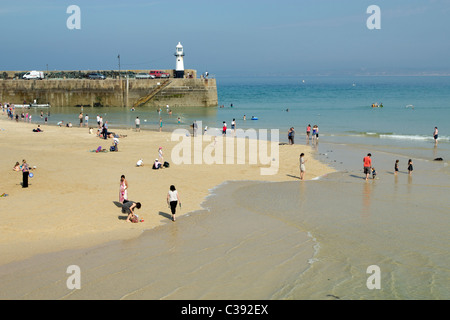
<point>71,200</point>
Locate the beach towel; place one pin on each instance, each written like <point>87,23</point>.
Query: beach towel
<point>99,149</point>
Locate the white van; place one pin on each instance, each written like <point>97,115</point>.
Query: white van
<point>33,75</point>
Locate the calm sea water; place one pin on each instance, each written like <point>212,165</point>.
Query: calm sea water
<point>340,106</point>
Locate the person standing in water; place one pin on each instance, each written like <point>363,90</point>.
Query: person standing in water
<point>137,123</point>
<point>435,135</point>
<point>173,198</point>
<point>410,167</point>
<point>367,165</point>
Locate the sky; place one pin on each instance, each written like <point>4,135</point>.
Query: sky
<point>228,38</point>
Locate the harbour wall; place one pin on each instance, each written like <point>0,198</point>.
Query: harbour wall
<point>112,92</point>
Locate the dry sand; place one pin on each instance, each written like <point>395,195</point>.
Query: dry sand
<point>70,200</point>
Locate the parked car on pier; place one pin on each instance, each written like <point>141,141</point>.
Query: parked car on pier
<point>144,75</point>
<point>34,75</point>
<point>95,76</point>
<point>159,74</point>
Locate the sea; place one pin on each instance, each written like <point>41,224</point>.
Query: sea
<point>382,239</point>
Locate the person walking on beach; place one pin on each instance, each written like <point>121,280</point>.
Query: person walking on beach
<point>123,190</point>
<point>233,126</point>
<point>410,167</point>
<point>25,173</point>
<point>86,121</point>
<point>160,124</point>
<point>367,160</point>
<point>435,135</point>
<point>81,119</point>
<point>396,167</point>
<point>302,166</point>
<point>173,198</point>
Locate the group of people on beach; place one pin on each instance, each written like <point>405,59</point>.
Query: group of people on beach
<point>129,207</point>
<point>314,136</point>
<point>225,128</point>
<point>315,132</point>
<point>369,169</point>
<point>85,118</point>
<point>25,168</point>
<point>12,113</point>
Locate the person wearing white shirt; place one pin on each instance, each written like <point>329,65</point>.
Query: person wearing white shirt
<point>138,124</point>
<point>173,198</point>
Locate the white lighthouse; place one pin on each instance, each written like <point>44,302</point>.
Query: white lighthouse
<point>179,54</point>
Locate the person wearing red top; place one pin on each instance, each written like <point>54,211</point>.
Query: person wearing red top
<point>367,165</point>
<point>308,131</point>
<point>224,128</point>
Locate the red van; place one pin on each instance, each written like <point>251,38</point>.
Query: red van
<point>159,74</point>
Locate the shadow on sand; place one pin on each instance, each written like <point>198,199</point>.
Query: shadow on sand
<point>165,215</point>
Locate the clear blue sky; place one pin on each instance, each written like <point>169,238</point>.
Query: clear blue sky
<point>228,37</point>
